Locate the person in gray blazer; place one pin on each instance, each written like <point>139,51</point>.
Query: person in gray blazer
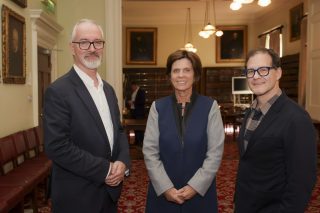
<point>277,143</point>
<point>83,133</point>
<point>183,143</point>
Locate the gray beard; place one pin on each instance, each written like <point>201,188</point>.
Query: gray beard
<point>92,64</point>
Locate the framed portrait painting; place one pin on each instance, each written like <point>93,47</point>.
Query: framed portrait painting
<point>232,45</point>
<point>13,47</point>
<point>21,3</point>
<point>296,14</point>
<point>141,45</point>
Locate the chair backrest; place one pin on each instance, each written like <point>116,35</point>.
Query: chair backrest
<point>39,135</point>
<point>31,142</point>
<point>7,154</point>
<point>20,146</point>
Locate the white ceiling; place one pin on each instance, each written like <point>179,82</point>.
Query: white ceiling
<point>174,11</point>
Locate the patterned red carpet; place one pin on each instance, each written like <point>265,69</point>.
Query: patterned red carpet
<point>135,186</point>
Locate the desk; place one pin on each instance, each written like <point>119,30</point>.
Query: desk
<point>232,122</point>
<point>134,124</point>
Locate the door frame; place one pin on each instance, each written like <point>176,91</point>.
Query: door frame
<point>313,60</point>
<point>44,33</point>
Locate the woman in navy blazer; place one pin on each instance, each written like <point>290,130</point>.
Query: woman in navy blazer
<point>183,144</point>
<point>277,143</point>
<point>83,134</point>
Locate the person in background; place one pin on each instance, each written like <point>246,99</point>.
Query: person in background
<point>183,143</point>
<point>83,134</point>
<point>277,144</point>
<point>137,110</point>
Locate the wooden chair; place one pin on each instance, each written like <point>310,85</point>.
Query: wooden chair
<point>13,187</point>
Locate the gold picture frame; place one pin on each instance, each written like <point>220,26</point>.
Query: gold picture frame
<point>232,45</point>
<point>13,47</point>
<point>141,46</point>
<point>296,14</point>
<point>21,3</point>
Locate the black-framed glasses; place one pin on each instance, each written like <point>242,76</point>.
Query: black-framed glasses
<point>262,71</point>
<point>85,45</point>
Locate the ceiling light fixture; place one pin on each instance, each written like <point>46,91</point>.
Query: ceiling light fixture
<point>237,4</point>
<point>188,34</point>
<point>264,3</point>
<point>209,29</point>
<point>244,1</point>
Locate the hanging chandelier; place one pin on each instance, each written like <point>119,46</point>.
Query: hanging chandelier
<point>209,29</point>
<point>237,4</point>
<point>188,34</point>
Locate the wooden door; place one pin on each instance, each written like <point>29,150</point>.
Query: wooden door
<point>313,62</point>
<point>44,78</point>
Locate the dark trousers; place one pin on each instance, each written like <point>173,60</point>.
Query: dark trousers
<point>139,135</point>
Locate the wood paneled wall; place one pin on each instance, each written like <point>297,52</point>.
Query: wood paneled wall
<point>290,75</point>
<point>152,80</point>
<point>215,81</point>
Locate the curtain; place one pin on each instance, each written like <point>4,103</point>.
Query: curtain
<point>274,42</point>
<point>262,40</point>
<point>303,63</point>
<point>272,39</point>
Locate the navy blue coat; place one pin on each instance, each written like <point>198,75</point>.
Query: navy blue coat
<point>277,171</point>
<point>182,155</point>
<point>77,143</point>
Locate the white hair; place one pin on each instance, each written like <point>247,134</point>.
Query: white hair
<point>73,34</point>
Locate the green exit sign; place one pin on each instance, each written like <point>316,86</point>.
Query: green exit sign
<point>49,5</point>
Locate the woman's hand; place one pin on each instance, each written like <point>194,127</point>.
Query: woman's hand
<point>186,192</point>
<point>172,195</point>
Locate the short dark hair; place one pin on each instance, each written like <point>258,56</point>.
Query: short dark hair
<point>192,57</point>
<point>276,61</point>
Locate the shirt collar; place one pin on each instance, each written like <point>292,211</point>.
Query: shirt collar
<point>264,109</point>
<point>192,98</point>
<point>86,79</point>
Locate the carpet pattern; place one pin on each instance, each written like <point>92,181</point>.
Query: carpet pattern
<point>135,187</point>
<point>134,192</point>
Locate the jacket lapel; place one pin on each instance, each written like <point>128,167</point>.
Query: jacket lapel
<point>267,121</point>
<point>86,98</point>
<point>111,100</point>
<point>241,133</point>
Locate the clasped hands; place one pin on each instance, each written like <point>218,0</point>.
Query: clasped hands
<point>116,174</point>
<point>181,195</point>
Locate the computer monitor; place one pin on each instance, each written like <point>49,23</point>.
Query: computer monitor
<point>240,86</point>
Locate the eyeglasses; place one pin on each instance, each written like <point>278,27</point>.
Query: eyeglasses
<point>85,45</point>
<point>262,71</point>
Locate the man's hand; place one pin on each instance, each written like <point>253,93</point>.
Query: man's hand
<point>186,193</point>
<point>116,174</point>
<point>173,196</point>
